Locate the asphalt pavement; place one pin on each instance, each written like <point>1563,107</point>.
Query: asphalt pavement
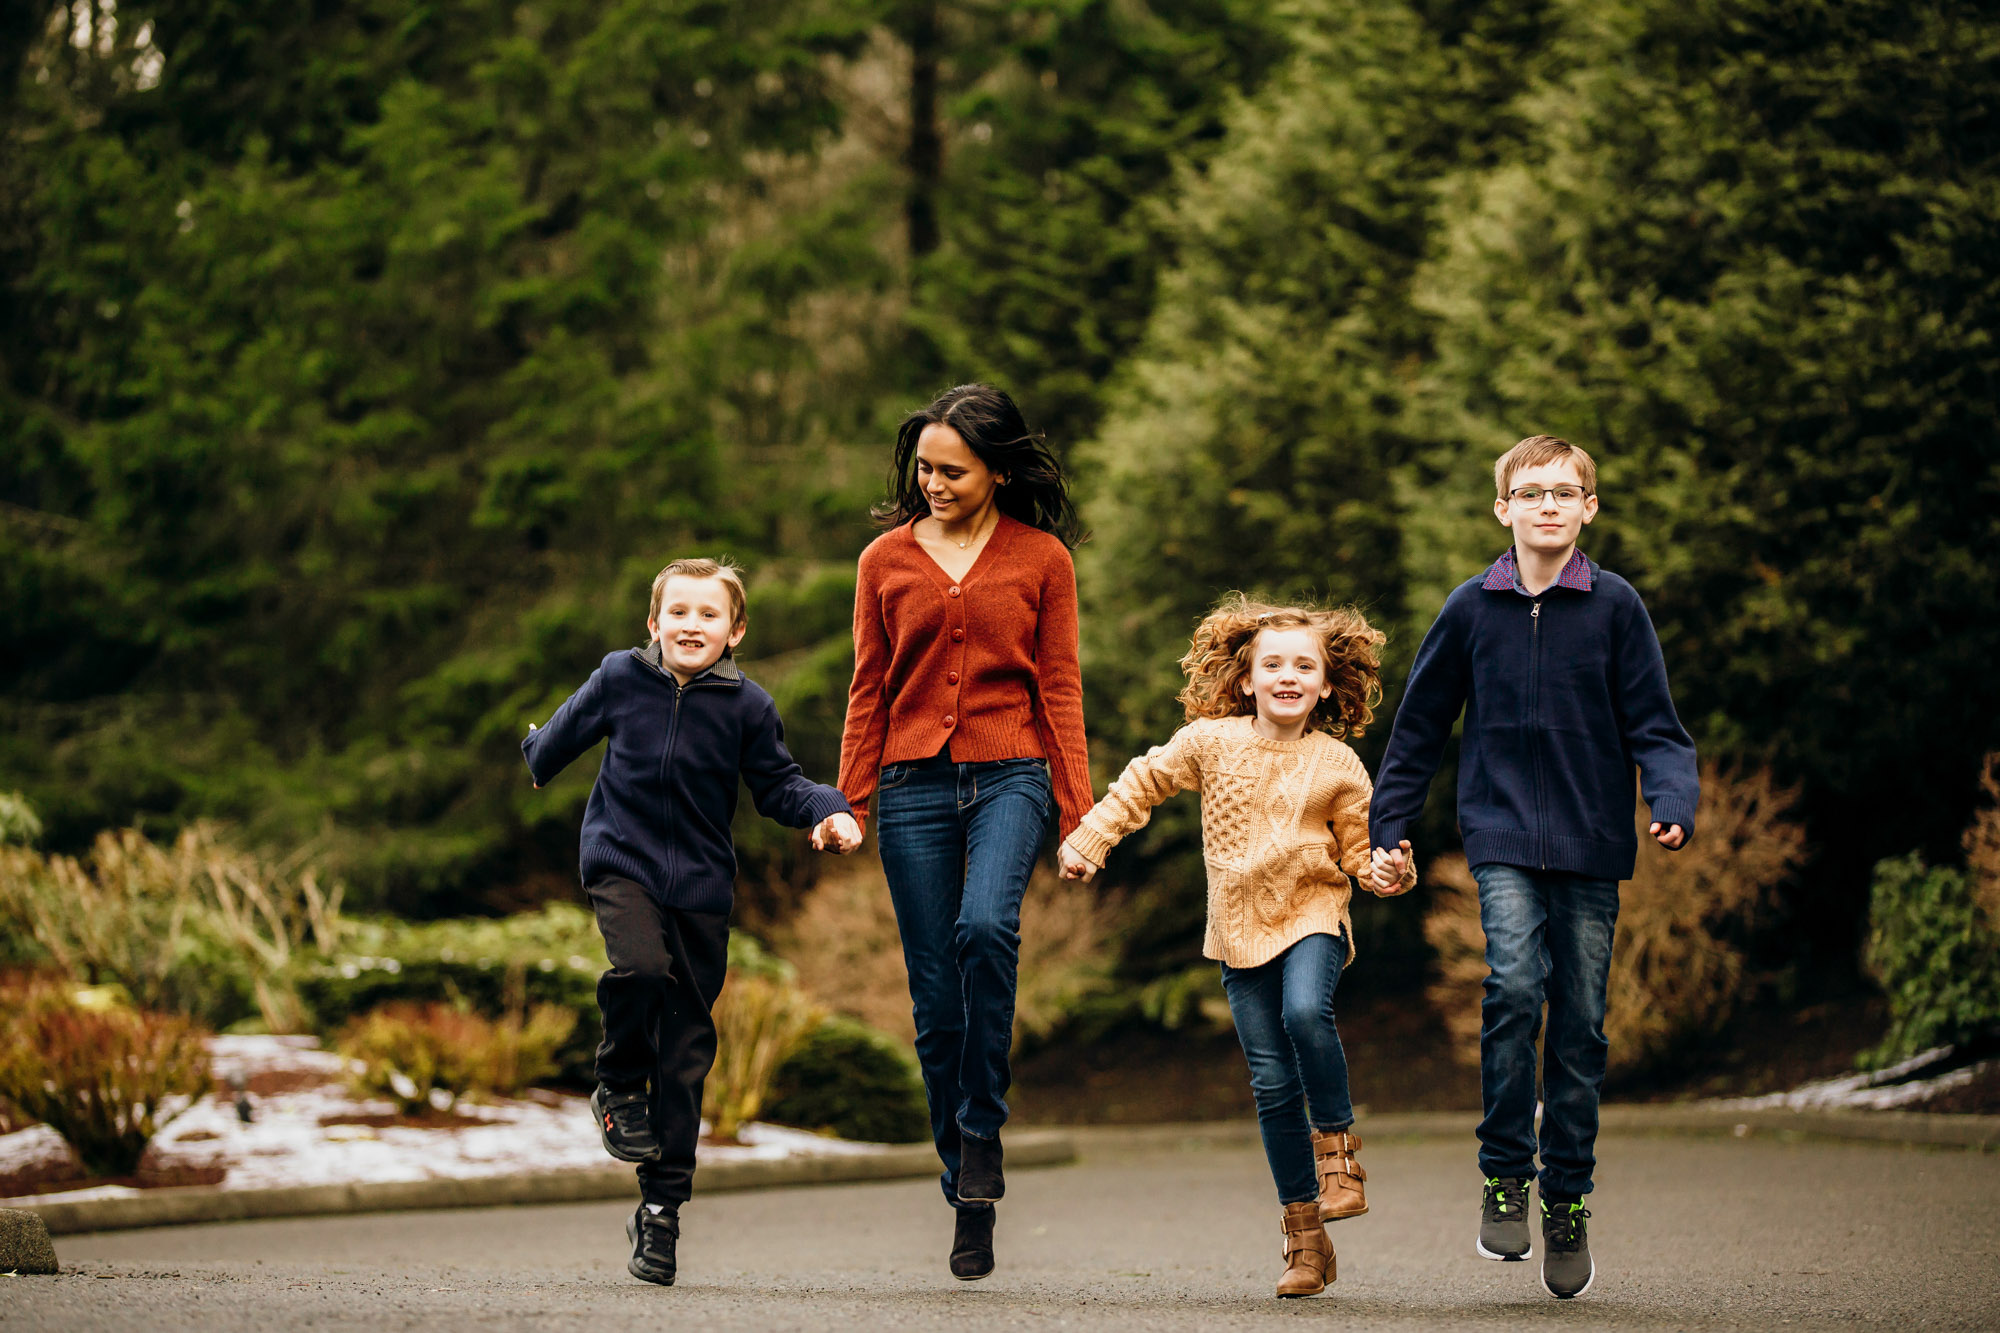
<point>1689,1232</point>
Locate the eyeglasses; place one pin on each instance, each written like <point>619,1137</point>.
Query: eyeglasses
<point>1566,497</point>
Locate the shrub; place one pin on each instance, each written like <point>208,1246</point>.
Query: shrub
<point>852,1080</point>
<point>19,824</point>
<point>844,942</point>
<point>1935,957</point>
<point>196,927</point>
<point>410,1053</point>
<point>1982,847</point>
<point>486,966</point>
<point>1677,962</point>
<point>107,1079</point>
<point>759,1021</point>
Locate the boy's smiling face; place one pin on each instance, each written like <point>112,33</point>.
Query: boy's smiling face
<point>695,625</point>
<point>1546,527</point>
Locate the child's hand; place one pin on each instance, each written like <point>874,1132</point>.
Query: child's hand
<point>1670,836</point>
<point>1395,870</point>
<point>838,833</point>
<point>1073,864</point>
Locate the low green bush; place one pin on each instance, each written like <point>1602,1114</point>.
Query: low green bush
<point>853,1080</point>
<point>1934,956</point>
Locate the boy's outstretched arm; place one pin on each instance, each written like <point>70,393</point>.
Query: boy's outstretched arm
<point>783,792</point>
<point>576,726</point>
<point>1668,774</point>
<point>1432,701</point>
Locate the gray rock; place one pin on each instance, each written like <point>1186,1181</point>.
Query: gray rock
<point>25,1246</point>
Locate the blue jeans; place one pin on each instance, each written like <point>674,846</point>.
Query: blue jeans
<point>1548,937</point>
<point>958,843</point>
<point>1284,1018</point>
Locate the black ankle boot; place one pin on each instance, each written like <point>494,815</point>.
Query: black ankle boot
<point>972,1244</point>
<point>979,1177</point>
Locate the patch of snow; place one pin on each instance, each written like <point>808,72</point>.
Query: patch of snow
<point>286,1143</point>
<point>1882,1090</point>
<point>37,1145</point>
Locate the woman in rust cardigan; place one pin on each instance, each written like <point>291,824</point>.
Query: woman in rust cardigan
<point>964,725</point>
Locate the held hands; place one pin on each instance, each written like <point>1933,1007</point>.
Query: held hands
<point>1670,836</point>
<point>839,833</point>
<point>1394,872</point>
<point>1072,863</point>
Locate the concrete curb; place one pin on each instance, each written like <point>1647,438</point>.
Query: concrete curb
<point>1973,1132</point>
<point>172,1207</point>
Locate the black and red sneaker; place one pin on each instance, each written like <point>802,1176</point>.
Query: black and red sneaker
<point>625,1121</point>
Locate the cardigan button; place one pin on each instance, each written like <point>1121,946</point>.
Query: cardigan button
<point>951,679</point>
<point>950,719</point>
<point>953,590</point>
<point>958,636</point>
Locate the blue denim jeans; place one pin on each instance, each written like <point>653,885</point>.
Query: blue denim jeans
<point>958,843</point>
<point>1548,939</point>
<point>1284,1018</point>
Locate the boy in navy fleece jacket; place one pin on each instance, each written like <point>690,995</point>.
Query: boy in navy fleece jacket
<point>658,864</point>
<point>1557,668</point>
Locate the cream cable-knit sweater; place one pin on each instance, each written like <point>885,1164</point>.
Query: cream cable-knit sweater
<point>1275,872</point>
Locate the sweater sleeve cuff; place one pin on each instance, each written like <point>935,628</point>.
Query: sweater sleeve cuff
<point>826,801</point>
<point>1090,844</point>
<point>1675,810</point>
<point>1388,833</point>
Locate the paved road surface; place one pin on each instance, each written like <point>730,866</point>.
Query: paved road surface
<point>1689,1233</point>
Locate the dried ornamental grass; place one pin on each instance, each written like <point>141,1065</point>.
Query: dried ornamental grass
<point>759,1020</point>
<point>106,1079</point>
<point>844,942</point>
<point>425,1057</point>
<point>1982,847</point>
<point>1677,962</point>
<point>184,926</point>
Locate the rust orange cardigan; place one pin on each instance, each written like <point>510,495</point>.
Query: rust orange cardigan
<point>986,665</point>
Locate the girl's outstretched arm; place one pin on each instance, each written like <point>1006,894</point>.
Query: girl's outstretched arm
<point>1146,781</point>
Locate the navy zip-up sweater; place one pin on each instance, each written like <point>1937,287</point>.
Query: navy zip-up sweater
<point>660,812</point>
<point>1564,692</point>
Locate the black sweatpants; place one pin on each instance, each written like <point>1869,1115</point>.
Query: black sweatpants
<point>666,972</point>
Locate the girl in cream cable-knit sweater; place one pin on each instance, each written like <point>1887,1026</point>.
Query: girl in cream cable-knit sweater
<point>1284,823</point>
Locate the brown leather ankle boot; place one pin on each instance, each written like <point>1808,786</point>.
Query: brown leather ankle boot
<point>1340,1176</point>
<point>1308,1253</point>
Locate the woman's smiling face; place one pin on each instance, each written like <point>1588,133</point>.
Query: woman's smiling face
<point>955,483</point>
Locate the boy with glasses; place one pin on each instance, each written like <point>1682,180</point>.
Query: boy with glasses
<point>1559,674</point>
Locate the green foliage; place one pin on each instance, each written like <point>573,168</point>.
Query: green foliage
<point>852,1080</point>
<point>424,1057</point>
<point>1933,955</point>
<point>19,824</point>
<point>106,1079</point>
<point>492,968</point>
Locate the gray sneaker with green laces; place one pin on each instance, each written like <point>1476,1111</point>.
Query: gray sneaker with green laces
<point>1567,1268</point>
<point>1503,1219</point>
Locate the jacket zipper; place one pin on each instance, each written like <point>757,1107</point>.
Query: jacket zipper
<point>1535,720</point>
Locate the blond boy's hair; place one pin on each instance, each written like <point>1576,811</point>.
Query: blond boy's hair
<point>1539,450</point>
<point>700,568</point>
<point>1218,661</point>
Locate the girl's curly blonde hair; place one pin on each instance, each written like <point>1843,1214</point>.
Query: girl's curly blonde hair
<point>1218,661</point>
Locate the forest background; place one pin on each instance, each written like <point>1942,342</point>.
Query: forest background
<point>362,360</point>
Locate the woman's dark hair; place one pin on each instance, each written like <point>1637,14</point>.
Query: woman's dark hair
<point>1036,493</point>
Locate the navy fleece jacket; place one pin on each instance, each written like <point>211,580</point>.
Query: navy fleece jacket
<point>660,812</point>
<point>1564,693</point>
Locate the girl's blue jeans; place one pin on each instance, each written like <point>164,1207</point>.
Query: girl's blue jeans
<point>958,843</point>
<point>1284,1018</point>
<point>1548,940</point>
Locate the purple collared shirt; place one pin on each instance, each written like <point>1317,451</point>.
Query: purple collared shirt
<point>1503,574</point>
